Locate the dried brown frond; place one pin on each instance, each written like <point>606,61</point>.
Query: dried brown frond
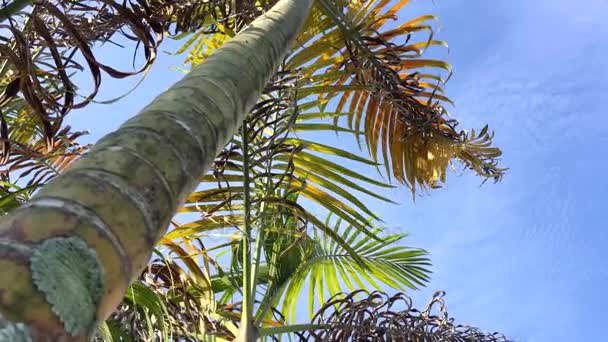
<point>45,45</point>
<point>380,317</point>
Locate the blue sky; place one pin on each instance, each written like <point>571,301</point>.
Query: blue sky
<point>527,256</point>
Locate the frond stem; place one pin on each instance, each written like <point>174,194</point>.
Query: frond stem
<point>248,291</point>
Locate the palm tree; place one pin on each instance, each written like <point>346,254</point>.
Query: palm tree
<point>290,243</point>
<point>109,241</point>
<point>327,260</point>
<point>220,97</point>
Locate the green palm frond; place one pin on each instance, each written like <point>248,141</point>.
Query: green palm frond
<point>316,178</point>
<point>282,163</point>
<point>174,299</point>
<point>326,269</point>
<point>13,196</point>
<point>111,331</point>
<point>143,316</point>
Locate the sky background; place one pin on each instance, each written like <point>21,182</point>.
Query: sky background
<point>527,256</point>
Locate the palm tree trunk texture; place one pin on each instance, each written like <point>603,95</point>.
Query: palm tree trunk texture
<point>67,257</point>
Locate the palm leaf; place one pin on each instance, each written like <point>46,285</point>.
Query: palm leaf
<point>372,72</point>
<point>379,263</point>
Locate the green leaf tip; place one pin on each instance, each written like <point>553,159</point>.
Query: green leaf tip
<point>70,275</point>
<point>14,332</point>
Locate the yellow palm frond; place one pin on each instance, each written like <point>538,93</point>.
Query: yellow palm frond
<point>353,63</point>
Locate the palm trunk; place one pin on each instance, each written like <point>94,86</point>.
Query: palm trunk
<point>67,257</point>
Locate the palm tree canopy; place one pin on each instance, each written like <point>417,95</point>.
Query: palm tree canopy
<point>347,73</point>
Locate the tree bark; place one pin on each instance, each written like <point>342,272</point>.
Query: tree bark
<point>68,256</point>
